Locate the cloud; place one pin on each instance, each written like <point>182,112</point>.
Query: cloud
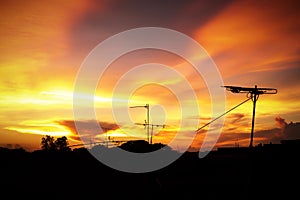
<point>251,42</point>
<point>237,117</point>
<point>292,131</point>
<point>280,122</point>
<point>238,136</point>
<point>113,17</point>
<point>267,37</point>
<point>287,130</point>
<point>88,128</point>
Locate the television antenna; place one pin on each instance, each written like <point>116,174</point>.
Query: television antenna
<point>152,125</point>
<point>253,94</point>
<point>148,114</point>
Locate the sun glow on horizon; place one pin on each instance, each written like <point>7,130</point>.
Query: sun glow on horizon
<point>44,43</point>
<point>41,128</point>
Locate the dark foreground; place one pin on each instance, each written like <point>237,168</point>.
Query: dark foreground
<point>266,172</point>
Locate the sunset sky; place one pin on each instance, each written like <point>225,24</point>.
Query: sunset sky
<point>44,43</point>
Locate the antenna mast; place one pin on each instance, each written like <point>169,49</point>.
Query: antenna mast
<point>148,115</point>
<point>253,94</point>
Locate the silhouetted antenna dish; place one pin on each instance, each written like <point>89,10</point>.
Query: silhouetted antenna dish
<point>252,93</point>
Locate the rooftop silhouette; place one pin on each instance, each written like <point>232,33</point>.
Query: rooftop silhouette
<point>238,173</point>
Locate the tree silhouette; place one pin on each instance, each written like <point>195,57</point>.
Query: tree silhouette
<point>48,143</point>
<point>62,144</point>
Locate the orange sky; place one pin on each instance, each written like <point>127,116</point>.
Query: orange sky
<point>43,44</point>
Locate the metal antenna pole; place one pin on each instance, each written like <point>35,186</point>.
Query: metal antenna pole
<point>148,116</point>
<point>152,125</point>
<point>157,125</point>
<point>151,133</point>
<point>148,122</point>
<point>254,97</point>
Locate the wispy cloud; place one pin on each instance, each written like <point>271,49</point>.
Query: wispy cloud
<point>88,128</point>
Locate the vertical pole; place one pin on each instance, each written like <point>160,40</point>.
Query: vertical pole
<point>254,98</point>
<point>106,140</point>
<point>148,123</point>
<point>151,134</point>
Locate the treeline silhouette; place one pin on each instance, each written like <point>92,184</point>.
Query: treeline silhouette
<point>49,143</point>
<point>263,172</point>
